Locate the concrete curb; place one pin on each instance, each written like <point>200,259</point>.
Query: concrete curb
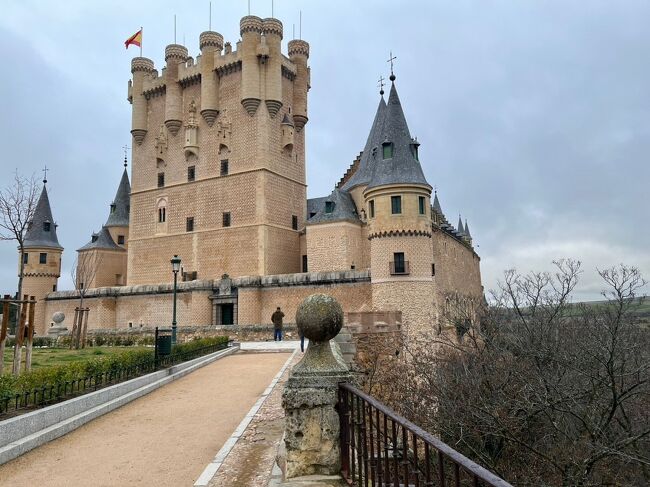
<point>213,467</point>
<point>23,433</point>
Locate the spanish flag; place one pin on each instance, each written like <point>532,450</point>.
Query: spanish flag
<point>135,39</point>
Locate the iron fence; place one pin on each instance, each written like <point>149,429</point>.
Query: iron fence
<point>381,448</point>
<point>46,395</point>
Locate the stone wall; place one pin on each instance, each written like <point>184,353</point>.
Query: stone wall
<point>336,246</point>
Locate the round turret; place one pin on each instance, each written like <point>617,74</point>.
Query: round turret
<point>140,67</point>
<point>210,43</point>
<point>250,23</point>
<point>273,37</point>
<point>175,52</point>
<point>174,55</point>
<point>299,54</point>
<point>251,32</point>
<point>209,39</point>
<point>298,47</point>
<point>141,64</point>
<point>272,26</point>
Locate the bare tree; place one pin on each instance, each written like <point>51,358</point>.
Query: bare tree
<point>544,392</point>
<point>17,206</point>
<point>83,274</point>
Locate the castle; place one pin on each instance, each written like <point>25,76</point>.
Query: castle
<point>218,178</point>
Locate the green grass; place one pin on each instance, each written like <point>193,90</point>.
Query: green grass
<point>47,357</point>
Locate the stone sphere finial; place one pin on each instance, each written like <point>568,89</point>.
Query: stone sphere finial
<point>319,317</point>
<point>58,317</point>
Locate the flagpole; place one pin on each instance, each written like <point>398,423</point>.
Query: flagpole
<point>141,39</point>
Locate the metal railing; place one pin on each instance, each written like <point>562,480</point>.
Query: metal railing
<point>381,448</point>
<point>46,395</point>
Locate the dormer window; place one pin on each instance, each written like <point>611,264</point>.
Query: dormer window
<point>94,238</point>
<point>387,150</point>
<point>329,207</point>
<point>414,151</point>
<point>113,207</point>
<point>46,226</point>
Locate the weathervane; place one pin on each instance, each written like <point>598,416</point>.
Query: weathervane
<point>390,60</point>
<point>381,85</point>
<point>44,174</point>
<point>125,149</point>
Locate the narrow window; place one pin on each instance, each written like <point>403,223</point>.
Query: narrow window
<point>25,258</point>
<point>371,208</point>
<point>304,263</point>
<point>329,207</point>
<point>224,167</point>
<point>162,215</point>
<point>294,222</point>
<point>396,205</point>
<point>161,179</point>
<point>189,224</point>
<point>113,208</point>
<point>226,219</point>
<point>54,288</point>
<point>433,269</point>
<point>43,258</point>
<point>191,173</point>
<point>81,285</point>
<point>46,226</point>
<point>414,152</point>
<point>399,264</point>
<point>388,150</point>
<point>421,202</point>
<point>120,239</point>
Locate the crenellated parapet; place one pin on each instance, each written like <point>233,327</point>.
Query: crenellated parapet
<point>209,39</point>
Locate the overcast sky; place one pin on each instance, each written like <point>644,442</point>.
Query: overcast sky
<point>534,116</point>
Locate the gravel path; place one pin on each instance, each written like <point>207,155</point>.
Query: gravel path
<point>165,438</point>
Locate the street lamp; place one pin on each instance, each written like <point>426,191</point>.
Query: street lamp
<point>176,266</point>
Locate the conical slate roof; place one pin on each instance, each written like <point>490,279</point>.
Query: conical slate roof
<point>119,215</point>
<point>436,204</point>
<point>467,229</point>
<point>461,229</point>
<point>370,152</point>
<point>102,240</point>
<point>344,209</point>
<point>403,167</point>
<point>42,229</point>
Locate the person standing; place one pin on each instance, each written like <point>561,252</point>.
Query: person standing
<point>276,318</point>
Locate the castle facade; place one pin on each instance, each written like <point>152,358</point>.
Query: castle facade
<point>218,178</point>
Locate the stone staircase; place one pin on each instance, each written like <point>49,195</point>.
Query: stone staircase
<point>346,344</point>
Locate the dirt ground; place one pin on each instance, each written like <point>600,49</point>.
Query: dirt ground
<point>165,438</point>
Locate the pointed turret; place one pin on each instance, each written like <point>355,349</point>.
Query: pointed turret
<point>42,229</point>
<point>119,214</point>
<point>467,234</point>
<point>397,160</point>
<point>460,228</point>
<point>370,151</point>
<point>436,204</point>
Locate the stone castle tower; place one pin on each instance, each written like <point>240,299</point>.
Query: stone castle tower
<point>218,177</point>
<point>42,258</point>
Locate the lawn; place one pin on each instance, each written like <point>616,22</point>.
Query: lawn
<point>47,357</point>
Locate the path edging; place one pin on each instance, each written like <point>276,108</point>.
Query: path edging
<point>213,467</point>
<point>28,431</point>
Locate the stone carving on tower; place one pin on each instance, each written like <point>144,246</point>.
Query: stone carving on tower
<point>191,132</point>
<point>224,129</point>
<point>161,143</point>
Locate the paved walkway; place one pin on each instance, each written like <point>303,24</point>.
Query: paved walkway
<point>165,438</point>
<point>272,346</point>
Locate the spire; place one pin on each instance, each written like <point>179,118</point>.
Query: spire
<point>119,215</point>
<point>467,234</point>
<point>370,151</point>
<point>397,152</point>
<point>42,229</point>
<point>436,204</point>
<point>461,229</point>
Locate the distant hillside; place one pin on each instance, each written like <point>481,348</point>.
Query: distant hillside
<point>642,310</point>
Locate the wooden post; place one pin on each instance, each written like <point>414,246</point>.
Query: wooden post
<point>80,317</point>
<point>3,330</point>
<point>84,312</point>
<point>20,333</point>
<point>73,333</point>
<point>30,334</point>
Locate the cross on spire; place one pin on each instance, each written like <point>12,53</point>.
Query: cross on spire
<point>125,150</point>
<point>390,60</point>
<point>45,174</point>
<point>380,83</point>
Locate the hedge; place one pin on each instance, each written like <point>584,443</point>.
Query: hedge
<point>52,376</point>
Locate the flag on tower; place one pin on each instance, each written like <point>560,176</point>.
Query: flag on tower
<point>135,39</point>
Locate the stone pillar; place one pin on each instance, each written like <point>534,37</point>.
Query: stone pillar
<point>311,437</point>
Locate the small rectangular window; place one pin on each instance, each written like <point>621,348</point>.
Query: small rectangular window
<point>43,258</point>
<point>189,224</point>
<point>191,173</point>
<point>399,265</point>
<point>421,203</point>
<point>25,258</point>
<point>224,167</point>
<point>294,222</point>
<point>396,205</point>
<point>161,179</point>
<point>226,219</point>
<point>387,150</point>
<point>54,288</point>
<point>433,269</point>
<point>329,207</point>
<point>304,263</point>
<point>46,226</point>
<point>371,208</point>
<point>120,239</point>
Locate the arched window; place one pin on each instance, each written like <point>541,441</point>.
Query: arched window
<point>162,210</point>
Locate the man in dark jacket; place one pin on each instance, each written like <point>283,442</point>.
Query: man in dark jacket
<point>276,318</point>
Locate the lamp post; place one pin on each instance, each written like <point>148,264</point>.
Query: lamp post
<point>176,266</point>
